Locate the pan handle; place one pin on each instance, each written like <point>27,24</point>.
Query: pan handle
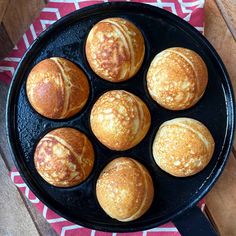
<point>194,223</point>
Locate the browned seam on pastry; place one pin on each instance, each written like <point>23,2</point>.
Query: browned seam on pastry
<point>195,95</point>
<point>199,134</point>
<point>140,111</point>
<point>83,151</point>
<point>67,86</point>
<point>124,75</point>
<point>78,107</point>
<point>194,71</point>
<point>201,137</point>
<point>64,143</point>
<point>138,119</point>
<point>127,41</point>
<point>145,196</point>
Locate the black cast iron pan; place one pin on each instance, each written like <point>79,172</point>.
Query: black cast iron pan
<point>175,198</point>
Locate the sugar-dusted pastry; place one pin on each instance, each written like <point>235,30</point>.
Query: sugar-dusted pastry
<point>64,157</point>
<point>183,147</point>
<point>125,189</point>
<point>57,88</point>
<point>115,49</point>
<point>177,78</point>
<point>119,119</point>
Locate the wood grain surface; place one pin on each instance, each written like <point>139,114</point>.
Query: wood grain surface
<point>218,33</point>
<point>3,7</point>
<point>12,222</point>
<point>18,16</point>
<point>4,37</point>
<point>228,11</point>
<point>221,200</point>
<point>220,18</point>
<point>15,18</point>
<point>14,216</point>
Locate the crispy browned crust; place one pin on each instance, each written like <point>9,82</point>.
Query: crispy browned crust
<point>125,189</point>
<point>115,49</point>
<point>57,88</point>
<point>120,120</point>
<point>183,147</point>
<point>177,78</point>
<point>64,157</point>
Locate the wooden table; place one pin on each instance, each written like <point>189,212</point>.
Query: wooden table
<point>19,217</point>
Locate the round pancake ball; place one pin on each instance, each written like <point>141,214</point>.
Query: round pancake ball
<point>120,120</point>
<point>125,189</point>
<point>57,88</point>
<point>177,78</point>
<point>183,147</point>
<point>115,49</point>
<point>64,157</point>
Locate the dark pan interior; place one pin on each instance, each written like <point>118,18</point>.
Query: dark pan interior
<point>161,30</point>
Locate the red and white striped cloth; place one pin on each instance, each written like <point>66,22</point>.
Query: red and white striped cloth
<point>190,10</point>
<point>66,228</point>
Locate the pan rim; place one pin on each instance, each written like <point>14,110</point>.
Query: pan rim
<point>228,94</point>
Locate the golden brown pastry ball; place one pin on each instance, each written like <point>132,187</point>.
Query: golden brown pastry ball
<point>177,78</point>
<point>57,88</point>
<point>125,189</point>
<point>64,157</point>
<point>115,49</point>
<point>183,147</point>
<point>120,120</point>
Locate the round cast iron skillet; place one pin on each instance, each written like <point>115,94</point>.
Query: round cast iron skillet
<point>175,198</point>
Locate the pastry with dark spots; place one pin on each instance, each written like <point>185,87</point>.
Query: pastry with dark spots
<point>177,78</point>
<point>115,49</point>
<point>57,88</point>
<point>183,147</point>
<point>125,189</point>
<point>64,157</point>
<point>120,120</point>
